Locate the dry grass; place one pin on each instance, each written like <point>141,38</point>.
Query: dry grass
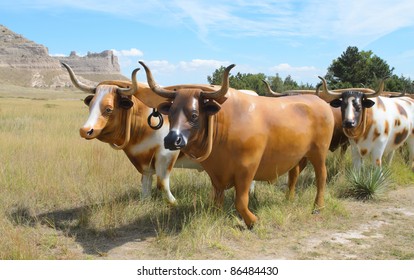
<point>62,197</point>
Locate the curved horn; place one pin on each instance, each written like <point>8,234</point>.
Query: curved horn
<point>393,94</point>
<point>299,92</point>
<point>326,94</point>
<point>378,92</point>
<point>270,92</point>
<point>225,85</point>
<point>154,86</point>
<point>76,82</point>
<point>134,88</point>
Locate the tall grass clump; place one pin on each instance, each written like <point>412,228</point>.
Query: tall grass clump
<point>367,183</point>
<point>401,167</point>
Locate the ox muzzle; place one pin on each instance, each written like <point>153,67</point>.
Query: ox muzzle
<point>89,133</point>
<point>175,140</point>
<point>349,123</point>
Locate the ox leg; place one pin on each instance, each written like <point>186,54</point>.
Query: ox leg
<point>217,193</point>
<point>242,201</point>
<point>344,147</point>
<point>163,168</point>
<point>251,189</point>
<point>218,197</point>
<point>389,157</point>
<point>410,143</point>
<point>377,156</point>
<point>146,182</point>
<point>356,157</point>
<point>164,185</point>
<point>293,178</point>
<point>319,166</point>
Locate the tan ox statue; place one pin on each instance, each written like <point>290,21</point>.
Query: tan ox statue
<point>117,117</point>
<point>238,138</point>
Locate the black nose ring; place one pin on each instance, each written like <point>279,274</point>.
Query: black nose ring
<point>155,114</point>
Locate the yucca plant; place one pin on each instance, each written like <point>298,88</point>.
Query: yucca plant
<point>367,183</point>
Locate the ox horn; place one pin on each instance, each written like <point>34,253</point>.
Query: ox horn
<point>399,94</point>
<point>270,92</point>
<point>76,82</point>
<point>170,94</point>
<point>328,95</point>
<point>378,92</point>
<point>134,88</point>
<point>225,84</point>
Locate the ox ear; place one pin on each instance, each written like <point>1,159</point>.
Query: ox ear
<point>336,103</point>
<point>211,106</point>
<point>164,107</point>
<point>125,102</point>
<point>88,99</point>
<point>367,103</point>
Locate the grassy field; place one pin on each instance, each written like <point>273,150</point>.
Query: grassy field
<point>62,197</point>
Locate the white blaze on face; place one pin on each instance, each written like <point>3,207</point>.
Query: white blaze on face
<point>95,110</point>
<point>349,111</point>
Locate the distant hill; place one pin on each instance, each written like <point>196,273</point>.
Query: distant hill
<point>26,63</point>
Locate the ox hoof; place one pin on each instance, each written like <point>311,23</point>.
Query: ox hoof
<point>172,203</point>
<point>251,225</point>
<point>316,212</point>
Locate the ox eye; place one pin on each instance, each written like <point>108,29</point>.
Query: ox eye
<point>108,110</point>
<point>194,116</point>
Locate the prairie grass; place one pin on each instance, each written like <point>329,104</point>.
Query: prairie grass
<point>58,191</point>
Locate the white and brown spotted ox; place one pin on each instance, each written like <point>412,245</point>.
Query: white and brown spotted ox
<point>117,117</point>
<point>238,137</point>
<point>375,125</point>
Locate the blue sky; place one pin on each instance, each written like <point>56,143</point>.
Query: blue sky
<point>183,41</point>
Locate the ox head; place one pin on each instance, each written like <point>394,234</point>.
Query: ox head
<point>107,105</point>
<point>351,101</point>
<point>188,109</point>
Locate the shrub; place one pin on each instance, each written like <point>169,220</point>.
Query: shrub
<point>366,183</point>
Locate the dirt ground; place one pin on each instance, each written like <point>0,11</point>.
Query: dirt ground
<point>382,229</point>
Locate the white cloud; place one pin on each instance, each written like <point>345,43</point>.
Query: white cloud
<point>350,21</point>
<point>408,54</point>
<point>355,22</point>
<point>286,68</point>
<point>197,70</point>
<point>161,66</point>
<point>201,64</point>
<point>182,72</point>
<point>131,52</point>
<point>166,67</point>
<point>298,73</point>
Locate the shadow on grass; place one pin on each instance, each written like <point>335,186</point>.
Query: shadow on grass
<point>157,221</point>
<point>73,223</point>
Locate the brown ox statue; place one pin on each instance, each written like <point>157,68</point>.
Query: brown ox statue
<point>339,139</point>
<point>238,138</point>
<point>117,117</point>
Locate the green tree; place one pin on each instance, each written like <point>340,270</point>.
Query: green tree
<point>255,81</point>
<point>289,83</point>
<point>276,83</point>
<point>239,81</point>
<point>356,68</point>
<point>216,77</point>
<point>400,84</point>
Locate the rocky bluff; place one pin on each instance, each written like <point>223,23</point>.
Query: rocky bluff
<point>26,63</point>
